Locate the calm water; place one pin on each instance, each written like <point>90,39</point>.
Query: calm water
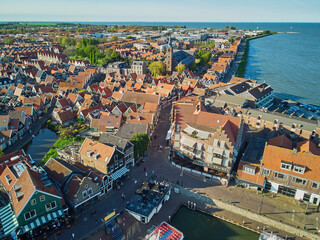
<point>41,144</point>
<point>197,225</point>
<point>289,62</point>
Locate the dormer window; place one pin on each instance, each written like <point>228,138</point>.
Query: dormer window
<point>286,166</point>
<point>299,169</point>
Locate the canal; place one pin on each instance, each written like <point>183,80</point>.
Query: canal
<point>198,225</point>
<point>41,144</point>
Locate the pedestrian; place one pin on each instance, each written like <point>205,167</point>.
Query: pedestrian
<point>122,196</point>
<point>146,174</point>
<point>152,172</point>
<point>144,169</point>
<point>96,222</point>
<point>72,235</point>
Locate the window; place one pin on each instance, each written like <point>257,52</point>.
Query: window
<point>50,206</point>
<point>250,170</point>
<point>306,197</point>
<point>315,185</point>
<point>286,166</point>
<point>42,198</point>
<point>90,191</point>
<point>33,201</point>
<point>265,172</point>
<point>299,181</point>
<point>84,194</point>
<point>86,186</point>
<point>298,169</point>
<point>280,175</point>
<point>30,215</point>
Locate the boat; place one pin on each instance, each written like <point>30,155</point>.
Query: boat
<point>269,236</point>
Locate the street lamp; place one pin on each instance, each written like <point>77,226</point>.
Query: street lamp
<point>181,175</point>
<point>260,204</point>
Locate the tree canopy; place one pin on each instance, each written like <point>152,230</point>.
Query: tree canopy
<point>157,68</point>
<point>181,68</point>
<point>140,142</point>
<point>114,38</point>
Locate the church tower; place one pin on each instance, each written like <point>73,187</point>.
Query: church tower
<point>169,58</point>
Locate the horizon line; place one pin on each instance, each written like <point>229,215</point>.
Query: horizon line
<point>101,21</point>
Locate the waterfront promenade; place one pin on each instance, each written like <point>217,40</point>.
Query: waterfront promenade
<point>278,208</point>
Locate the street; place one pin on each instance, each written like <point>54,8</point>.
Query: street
<point>235,64</point>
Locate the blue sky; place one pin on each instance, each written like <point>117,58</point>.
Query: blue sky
<point>161,10</point>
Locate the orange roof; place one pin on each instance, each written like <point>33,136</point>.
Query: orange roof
<point>105,151</point>
<point>146,118</point>
<point>273,155</point>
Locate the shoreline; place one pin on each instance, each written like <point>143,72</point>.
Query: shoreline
<point>243,63</point>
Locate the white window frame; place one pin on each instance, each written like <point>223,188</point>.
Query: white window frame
<point>44,198</point>
<point>298,169</point>
<point>294,180</point>
<point>316,184</point>
<point>249,170</point>
<point>284,175</point>
<point>286,166</point>
<point>265,172</point>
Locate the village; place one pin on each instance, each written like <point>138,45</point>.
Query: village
<point>108,92</point>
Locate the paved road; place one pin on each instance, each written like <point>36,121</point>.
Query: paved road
<point>278,208</point>
<point>235,64</point>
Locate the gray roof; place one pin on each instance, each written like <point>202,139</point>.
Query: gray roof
<point>129,129</point>
<point>109,139</point>
<point>5,79</point>
<point>254,150</point>
<point>230,100</point>
<point>284,119</point>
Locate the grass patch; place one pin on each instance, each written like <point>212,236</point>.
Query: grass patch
<point>62,142</point>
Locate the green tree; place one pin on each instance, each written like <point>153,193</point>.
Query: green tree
<point>231,40</point>
<point>9,41</point>
<point>1,152</point>
<point>70,51</point>
<point>140,142</point>
<point>114,38</point>
<point>114,55</point>
<point>181,68</point>
<point>157,68</point>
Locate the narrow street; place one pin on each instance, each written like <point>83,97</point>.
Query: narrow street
<point>235,64</point>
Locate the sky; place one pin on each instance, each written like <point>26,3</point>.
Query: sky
<point>161,10</point>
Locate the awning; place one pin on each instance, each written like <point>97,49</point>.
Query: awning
<point>188,142</point>
<point>8,220</point>
<point>41,221</point>
<point>119,173</point>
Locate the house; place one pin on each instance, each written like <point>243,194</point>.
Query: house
<point>106,123</point>
<point>34,199</point>
<point>106,159</point>
<point>144,118</point>
<point>64,118</point>
<point>140,98</point>
<point>139,67</point>
<point>77,187</point>
<point>148,200</point>
<point>129,129</point>
<point>249,168</point>
<point>209,140</point>
<point>122,144</point>
<point>292,168</point>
